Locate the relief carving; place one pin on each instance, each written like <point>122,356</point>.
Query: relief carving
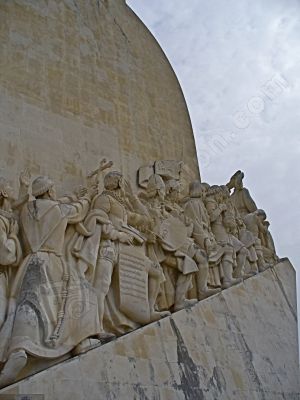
<point>103,261</point>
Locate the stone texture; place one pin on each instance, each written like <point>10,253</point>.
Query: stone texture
<point>239,344</point>
<point>80,80</point>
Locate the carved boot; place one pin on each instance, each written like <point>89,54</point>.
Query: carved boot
<point>203,291</point>
<point>182,286</point>
<point>251,271</point>
<point>14,365</point>
<point>228,280</point>
<point>154,288</point>
<point>239,271</point>
<point>262,266</point>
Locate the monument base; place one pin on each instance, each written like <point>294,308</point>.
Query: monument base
<point>239,344</point>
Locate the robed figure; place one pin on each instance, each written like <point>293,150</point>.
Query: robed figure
<point>40,320</point>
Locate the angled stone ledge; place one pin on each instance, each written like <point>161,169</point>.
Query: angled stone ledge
<point>239,344</point>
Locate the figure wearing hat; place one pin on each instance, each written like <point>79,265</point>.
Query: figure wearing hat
<point>38,323</point>
<point>167,245</point>
<point>126,214</point>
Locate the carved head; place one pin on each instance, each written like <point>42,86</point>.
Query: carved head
<point>261,214</point>
<point>236,181</point>
<point>198,189</point>
<point>43,185</point>
<point>113,180</point>
<point>225,192</point>
<point>156,187</point>
<point>205,186</point>
<point>6,191</point>
<point>215,192</point>
<point>173,189</point>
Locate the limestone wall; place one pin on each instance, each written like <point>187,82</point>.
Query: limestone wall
<point>238,345</point>
<point>83,79</point>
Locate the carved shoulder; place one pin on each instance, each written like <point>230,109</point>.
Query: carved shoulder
<point>102,202</point>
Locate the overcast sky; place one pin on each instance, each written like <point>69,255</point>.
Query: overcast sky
<point>239,66</point>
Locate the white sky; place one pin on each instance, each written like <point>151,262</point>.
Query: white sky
<point>226,54</point>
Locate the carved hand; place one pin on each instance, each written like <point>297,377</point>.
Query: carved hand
<point>14,227</point>
<point>125,238</point>
<point>93,191</point>
<point>104,164</point>
<point>25,177</point>
<point>81,191</point>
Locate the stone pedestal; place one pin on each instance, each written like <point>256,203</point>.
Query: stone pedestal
<point>241,344</point>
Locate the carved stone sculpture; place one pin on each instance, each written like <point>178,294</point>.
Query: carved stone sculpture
<point>121,246</point>
<point>167,246</point>
<point>190,247</point>
<point>230,220</point>
<point>216,209</point>
<point>256,223</point>
<point>101,261</point>
<point>10,247</point>
<point>267,241</point>
<point>38,323</point>
<point>196,210</point>
<point>241,197</point>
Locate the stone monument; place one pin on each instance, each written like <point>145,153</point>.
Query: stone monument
<point>124,277</point>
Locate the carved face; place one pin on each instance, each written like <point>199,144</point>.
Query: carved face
<point>202,191</point>
<point>261,217</point>
<point>10,192</point>
<point>174,193</point>
<point>52,193</point>
<point>161,193</point>
<point>6,191</point>
<point>198,189</point>
<point>113,181</point>
<point>226,193</point>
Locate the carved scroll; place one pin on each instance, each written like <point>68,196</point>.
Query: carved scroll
<point>133,280</point>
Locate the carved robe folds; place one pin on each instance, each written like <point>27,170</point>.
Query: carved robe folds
<point>40,319</point>
<point>10,256</point>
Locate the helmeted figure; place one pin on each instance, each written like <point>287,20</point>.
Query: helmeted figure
<point>40,321</point>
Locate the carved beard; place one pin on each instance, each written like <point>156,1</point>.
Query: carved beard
<point>121,188</point>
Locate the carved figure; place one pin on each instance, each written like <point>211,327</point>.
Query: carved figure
<point>190,247</point>
<point>216,209</point>
<point>241,197</point>
<point>38,321</point>
<point>119,246</point>
<point>255,223</point>
<point>231,222</point>
<point>267,241</point>
<point>102,261</point>
<point>196,210</point>
<point>167,245</point>
<point>10,247</point>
